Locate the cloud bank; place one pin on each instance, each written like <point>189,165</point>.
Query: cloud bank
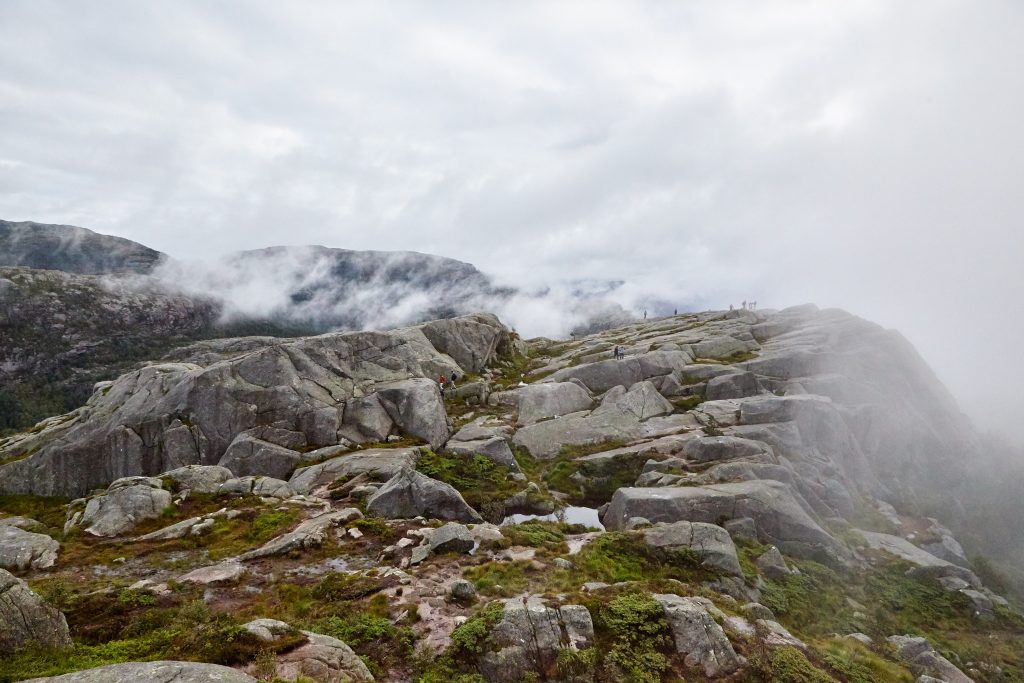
<point>864,155</point>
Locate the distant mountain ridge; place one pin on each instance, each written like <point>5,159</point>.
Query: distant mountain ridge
<point>73,250</point>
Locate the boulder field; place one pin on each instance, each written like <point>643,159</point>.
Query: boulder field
<point>740,497</point>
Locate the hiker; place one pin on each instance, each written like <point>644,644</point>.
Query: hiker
<point>645,314</point>
<point>440,383</point>
<point>451,382</point>
<point>731,307</point>
<point>744,304</point>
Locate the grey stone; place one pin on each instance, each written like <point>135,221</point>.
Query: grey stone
<point>741,528</point>
<point>21,550</point>
<point>412,494</point>
<point>323,658</point>
<point>472,341</point>
<point>774,634</point>
<point>773,565</point>
<point>380,464</point>
<point>267,630</point>
<point>495,449</point>
<point>153,672</point>
<point>925,563</point>
<point>452,537</point>
<point>779,518</point>
<point>200,478</point>
<point>700,640</point>
<point>733,385</point>
<point>716,448</point>
<point>710,543</point>
<point>25,618</point>
<point>249,456</point>
<point>548,399</point>
<point>462,591</point>
<point>579,626</point>
<point>923,660</point>
<point>416,407</point>
<point>126,503</point>
<point>266,487</point>
<point>217,574</point>
<point>755,611</point>
<point>309,534</point>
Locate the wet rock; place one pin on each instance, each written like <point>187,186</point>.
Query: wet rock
<point>21,550</point>
<point>25,618</point>
<point>411,494</point>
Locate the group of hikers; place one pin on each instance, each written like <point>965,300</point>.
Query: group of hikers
<point>619,352</point>
<point>746,306</point>
<point>447,384</point>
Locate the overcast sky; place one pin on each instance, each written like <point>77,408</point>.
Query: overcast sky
<point>863,154</point>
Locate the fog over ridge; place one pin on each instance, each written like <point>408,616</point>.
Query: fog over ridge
<point>859,155</point>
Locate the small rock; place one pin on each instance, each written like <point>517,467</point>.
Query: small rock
<point>462,591</point>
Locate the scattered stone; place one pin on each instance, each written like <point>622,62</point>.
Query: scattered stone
<point>861,638</point>
<point>755,611</point>
<point>199,478</point>
<point>462,591</point>
<point>774,634</point>
<point>741,528</point>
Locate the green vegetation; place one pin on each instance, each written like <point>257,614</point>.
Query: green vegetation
<point>790,665</point>
<point>48,511</point>
<point>858,663</point>
<point>688,403</point>
<point>456,665</point>
<point>632,631</point>
<point>482,482</point>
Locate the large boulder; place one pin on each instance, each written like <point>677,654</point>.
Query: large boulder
<point>495,449</point>
<point>601,376</point>
<point>549,399</point>
<point>21,550</point>
<point>924,562</point>
<point>25,618</point>
<point>126,502</point>
<point>248,456</point>
<point>698,638</point>
<point>779,518</point>
<point>711,544</point>
<point>321,658</point>
<point>153,672</point>
<point>413,494</point>
<point>379,464</point>
<point>416,407</point>
<point>471,340</point>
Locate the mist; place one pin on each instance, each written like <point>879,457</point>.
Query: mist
<point>861,155</point>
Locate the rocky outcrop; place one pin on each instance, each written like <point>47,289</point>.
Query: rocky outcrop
<point>923,660</point>
<point>779,518</point>
<point>538,402</point>
<point>154,672</point>
<point>25,618</point>
<point>529,637</point>
<point>412,494</point>
<point>321,658</point>
<point>379,464</point>
<point>710,544</point>
<point>309,534</point>
<point>199,478</point>
<point>926,564</point>
<point>169,415</point>
<point>698,638</point>
<point>125,503</point>
<point>21,550</point>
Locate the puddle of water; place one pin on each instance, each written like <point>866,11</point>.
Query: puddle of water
<point>569,515</point>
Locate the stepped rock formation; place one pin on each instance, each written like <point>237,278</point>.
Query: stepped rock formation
<point>318,391</point>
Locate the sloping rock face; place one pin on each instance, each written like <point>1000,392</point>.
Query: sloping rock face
<point>25,618</point>
<point>170,415</point>
<point>780,520</point>
<point>154,672</point>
